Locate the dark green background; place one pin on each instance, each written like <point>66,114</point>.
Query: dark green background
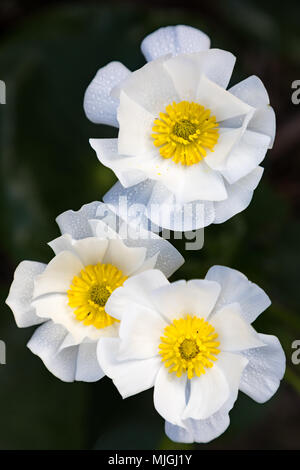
<point>49,53</point>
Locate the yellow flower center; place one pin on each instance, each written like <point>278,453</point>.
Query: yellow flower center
<point>189,345</point>
<point>184,132</point>
<point>90,291</point>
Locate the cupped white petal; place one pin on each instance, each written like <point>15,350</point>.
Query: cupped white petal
<point>222,104</point>
<point>58,274</point>
<point>208,394</point>
<point>234,333</point>
<point>165,211</point>
<point>239,196</point>
<point>125,258</point>
<point>151,87</point>
<point>178,433</point>
<point>228,139</point>
<point>161,254</point>
<point>87,365</point>
<point>195,297</point>
<point>130,203</point>
<point>55,307</point>
<point>186,71</point>
<point>246,156</point>
<point>201,183</point>
<point>201,430</point>
<point>252,91</point>
<point>89,250</point>
<point>100,107</point>
<point>140,332</point>
<point>130,377</point>
<point>125,168</point>
<point>135,290</point>
<point>75,223</point>
<point>21,292</point>
<point>170,395</point>
<point>174,40</point>
<point>264,122</point>
<point>235,287</point>
<point>62,243</point>
<point>136,124</point>
<point>266,367</point>
<point>46,342</point>
<point>217,389</point>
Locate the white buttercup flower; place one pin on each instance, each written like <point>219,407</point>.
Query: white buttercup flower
<point>193,341</point>
<point>188,149</point>
<point>69,294</point>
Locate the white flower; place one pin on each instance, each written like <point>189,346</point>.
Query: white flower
<point>193,341</point>
<point>69,294</point>
<point>187,149</point>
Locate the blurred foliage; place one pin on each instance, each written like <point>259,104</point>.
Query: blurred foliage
<point>47,59</point>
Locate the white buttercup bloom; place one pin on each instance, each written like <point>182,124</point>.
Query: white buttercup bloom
<point>188,149</point>
<point>68,296</point>
<point>193,341</point>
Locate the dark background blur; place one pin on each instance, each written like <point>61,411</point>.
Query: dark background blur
<point>49,52</point>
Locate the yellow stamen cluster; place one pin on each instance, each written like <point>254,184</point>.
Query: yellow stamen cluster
<point>189,345</point>
<point>90,291</point>
<point>184,132</point>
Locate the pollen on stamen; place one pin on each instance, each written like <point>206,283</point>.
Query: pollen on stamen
<point>185,132</point>
<point>89,292</point>
<point>190,346</point>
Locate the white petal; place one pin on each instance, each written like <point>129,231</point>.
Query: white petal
<point>125,168</point>
<point>165,211</point>
<point>176,300</point>
<point>135,290</point>
<point>76,223</point>
<point>239,196</point>
<point>217,388</point>
<point>201,430</point>
<point>140,332</point>
<point>161,254</point>
<point>127,259</point>
<point>228,139</point>
<point>99,105</point>
<point>208,394</point>
<point>58,274</point>
<point>264,121</point>
<point>174,40</point>
<point>21,292</point>
<point>186,70</point>
<point>202,183</point>
<point>222,104</point>
<point>169,395</point>
<point>135,128</point>
<point>87,366</point>
<point>62,243</point>
<point>237,288</point>
<point>121,200</point>
<point>178,433</point>
<point>246,155</point>
<point>46,342</point>
<point>55,306</point>
<point>89,250</point>
<point>252,91</point>
<point>261,378</point>
<point>156,207</point>
<point>234,333</point>
<point>130,377</point>
<point>151,87</point>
